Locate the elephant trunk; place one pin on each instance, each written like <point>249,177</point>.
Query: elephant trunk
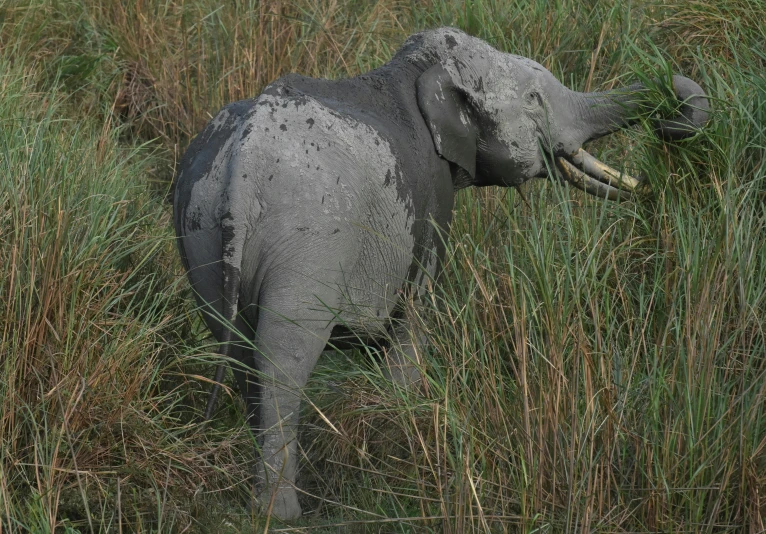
<point>603,113</point>
<point>599,114</point>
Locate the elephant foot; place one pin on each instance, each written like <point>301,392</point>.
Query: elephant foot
<point>281,503</point>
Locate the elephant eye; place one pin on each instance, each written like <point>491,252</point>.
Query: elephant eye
<point>534,95</point>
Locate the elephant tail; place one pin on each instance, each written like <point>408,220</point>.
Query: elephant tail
<point>232,242</point>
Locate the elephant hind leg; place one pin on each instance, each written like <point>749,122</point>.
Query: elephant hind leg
<point>288,344</point>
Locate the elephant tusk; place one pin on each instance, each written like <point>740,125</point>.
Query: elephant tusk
<point>589,184</point>
<point>603,172</point>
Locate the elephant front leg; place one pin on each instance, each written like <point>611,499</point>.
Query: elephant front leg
<point>403,357</point>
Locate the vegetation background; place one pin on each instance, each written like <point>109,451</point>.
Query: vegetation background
<point>592,366</point>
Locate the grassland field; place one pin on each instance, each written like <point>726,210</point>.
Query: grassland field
<point>590,367</point>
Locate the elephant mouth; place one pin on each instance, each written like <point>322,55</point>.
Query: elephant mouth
<point>595,177</point>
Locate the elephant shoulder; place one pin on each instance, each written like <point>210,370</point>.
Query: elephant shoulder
<point>295,109</point>
<point>373,99</point>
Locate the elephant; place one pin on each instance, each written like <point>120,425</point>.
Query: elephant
<point>307,214</point>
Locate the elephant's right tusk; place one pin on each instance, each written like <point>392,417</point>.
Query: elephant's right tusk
<point>589,184</point>
<point>603,172</point>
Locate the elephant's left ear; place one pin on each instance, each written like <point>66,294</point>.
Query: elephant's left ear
<point>446,107</point>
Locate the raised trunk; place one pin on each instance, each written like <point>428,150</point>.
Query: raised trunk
<point>600,114</point>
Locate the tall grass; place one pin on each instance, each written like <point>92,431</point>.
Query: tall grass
<point>91,409</point>
<point>589,365</point>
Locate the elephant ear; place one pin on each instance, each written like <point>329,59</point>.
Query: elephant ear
<point>447,109</point>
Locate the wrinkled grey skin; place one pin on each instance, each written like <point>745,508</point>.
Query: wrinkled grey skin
<point>304,213</point>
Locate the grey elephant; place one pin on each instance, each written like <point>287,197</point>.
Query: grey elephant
<point>303,215</point>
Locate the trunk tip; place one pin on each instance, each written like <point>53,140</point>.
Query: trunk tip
<point>694,111</point>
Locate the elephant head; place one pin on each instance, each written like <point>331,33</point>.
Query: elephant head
<point>503,119</point>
